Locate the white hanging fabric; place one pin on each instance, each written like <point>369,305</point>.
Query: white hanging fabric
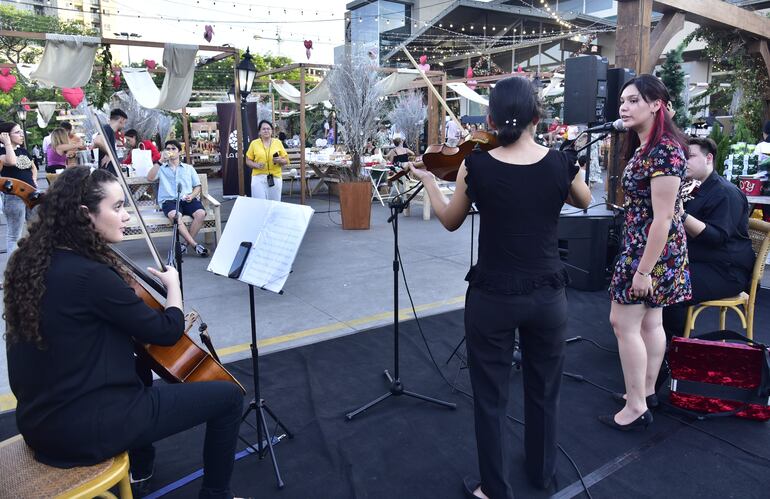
<point>400,80</point>
<point>289,92</point>
<point>67,61</point>
<point>179,61</point>
<point>45,112</point>
<point>26,70</point>
<point>465,91</point>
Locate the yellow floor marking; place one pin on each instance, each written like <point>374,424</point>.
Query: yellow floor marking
<point>8,401</point>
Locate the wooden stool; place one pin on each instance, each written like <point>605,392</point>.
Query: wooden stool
<point>22,476</point>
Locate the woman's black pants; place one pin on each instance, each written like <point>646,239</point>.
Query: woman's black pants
<point>490,324</point>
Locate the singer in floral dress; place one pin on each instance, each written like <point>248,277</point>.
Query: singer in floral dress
<point>670,275</point>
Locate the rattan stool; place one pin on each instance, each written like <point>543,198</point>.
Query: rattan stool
<point>23,477</point>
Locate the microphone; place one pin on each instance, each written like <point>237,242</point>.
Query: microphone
<point>179,188</point>
<point>616,125</point>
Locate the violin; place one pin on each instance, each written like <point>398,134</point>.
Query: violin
<point>185,361</point>
<point>442,160</point>
<point>28,194</point>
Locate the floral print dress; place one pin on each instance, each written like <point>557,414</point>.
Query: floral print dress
<point>670,275</point>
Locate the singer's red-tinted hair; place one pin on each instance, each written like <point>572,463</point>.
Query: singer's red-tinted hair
<point>651,89</point>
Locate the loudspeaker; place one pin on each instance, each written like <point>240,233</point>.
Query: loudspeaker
<point>585,89</point>
<point>586,248</point>
<point>616,78</point>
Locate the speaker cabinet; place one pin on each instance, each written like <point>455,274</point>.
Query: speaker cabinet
<point>586,248</point>
<point>616,78</point>
<point>585,90</point>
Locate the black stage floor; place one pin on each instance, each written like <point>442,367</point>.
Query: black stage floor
<point>406,448</point>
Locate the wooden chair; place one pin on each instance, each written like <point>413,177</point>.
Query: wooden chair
<point>759,232</point>
<point>22,476</point>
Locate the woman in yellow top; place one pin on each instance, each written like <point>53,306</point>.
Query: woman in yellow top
<point>266,156</point>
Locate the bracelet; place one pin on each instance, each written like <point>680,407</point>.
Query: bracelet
<point>643,274</point>
<point>684,216</point>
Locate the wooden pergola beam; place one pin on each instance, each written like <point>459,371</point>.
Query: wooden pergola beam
<point>716,12</point>
<point>34,35</point>
<point>671,24</point>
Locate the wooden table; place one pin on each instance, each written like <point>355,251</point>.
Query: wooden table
<point>328,172</point>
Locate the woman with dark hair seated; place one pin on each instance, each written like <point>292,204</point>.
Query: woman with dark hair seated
<point>399,154</point>
<point>518,282</point>
<point>72,322</point>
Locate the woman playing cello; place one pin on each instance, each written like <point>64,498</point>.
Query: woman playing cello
<point>518,282</point>
<point>71,324</point>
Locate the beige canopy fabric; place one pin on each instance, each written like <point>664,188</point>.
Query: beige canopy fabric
<point>391,84</point>
<point>465,91</point>
<point>179,61</point>
<point>67,61</point>
<point>286,90</point>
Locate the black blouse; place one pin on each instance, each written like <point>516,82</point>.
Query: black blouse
<point>519,207</point>
<point>80,399</point>
<point>23,174</point>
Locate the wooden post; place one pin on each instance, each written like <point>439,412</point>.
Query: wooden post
<point>272,104</point>
<point>632,38</point>
<point>302,135</point>
<point>186,135</point>
<point>239,151</point>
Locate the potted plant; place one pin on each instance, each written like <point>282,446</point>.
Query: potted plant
<point>358,101</point>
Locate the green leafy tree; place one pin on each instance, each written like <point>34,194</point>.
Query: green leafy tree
<point>673,77</point>
<point>16,50</point>
<point>219,75</point>
<point>723,147</point>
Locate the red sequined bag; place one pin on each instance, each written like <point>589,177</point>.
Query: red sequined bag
<point>711,376</point>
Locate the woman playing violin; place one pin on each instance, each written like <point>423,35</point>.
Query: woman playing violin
<point>71,324</point>
<point>519,189</point>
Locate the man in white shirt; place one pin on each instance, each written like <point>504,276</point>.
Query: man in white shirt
<point>453,132</point>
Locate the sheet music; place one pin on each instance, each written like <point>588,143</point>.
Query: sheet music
<point>275,230</point>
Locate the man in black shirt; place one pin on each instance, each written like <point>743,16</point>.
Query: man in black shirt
<point>117,122</point>
<point>718,244</point>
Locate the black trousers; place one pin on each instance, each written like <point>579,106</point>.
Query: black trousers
<point>710,281</point>
<point>179,407</point>
<point>490,324</point>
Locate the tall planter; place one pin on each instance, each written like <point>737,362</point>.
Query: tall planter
<point>356,204</point>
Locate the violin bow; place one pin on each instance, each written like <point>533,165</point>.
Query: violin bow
<point>433,89</point>
<point>122,179</point>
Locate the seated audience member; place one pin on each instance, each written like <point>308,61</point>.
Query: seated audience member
<point>59,149</point>
<point>170,173</point>
<point>133,141</point>
<point>74,139</point>
<point>399,154</point>
<point>716,222</point>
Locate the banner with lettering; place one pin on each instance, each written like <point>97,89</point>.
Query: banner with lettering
<point>228,145</point>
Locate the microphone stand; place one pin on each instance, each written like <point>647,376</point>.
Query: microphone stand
<point>176,245</point>
<point>396,387</point>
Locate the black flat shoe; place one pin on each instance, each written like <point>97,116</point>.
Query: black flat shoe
<point>640,423</point>
<point>652,400</point>
<point>470,484</point>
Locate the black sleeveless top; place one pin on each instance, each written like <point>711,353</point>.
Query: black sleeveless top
<point>400,158</point>
<point>519,207</point>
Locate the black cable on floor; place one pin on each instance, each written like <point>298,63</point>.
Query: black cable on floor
<point>589,340</point>
<point>441,373</point>
<point>329,210</point>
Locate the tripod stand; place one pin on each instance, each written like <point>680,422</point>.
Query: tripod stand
<point>396,386</point>
<point>260,407</point>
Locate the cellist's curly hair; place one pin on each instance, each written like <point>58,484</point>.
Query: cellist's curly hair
<point>61,222</point>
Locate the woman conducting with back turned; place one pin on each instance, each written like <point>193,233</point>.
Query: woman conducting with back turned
<point>71,324</point>
<point>519,189</point>
<point>651,271</point>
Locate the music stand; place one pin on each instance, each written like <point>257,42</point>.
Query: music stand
<point>258,247</point>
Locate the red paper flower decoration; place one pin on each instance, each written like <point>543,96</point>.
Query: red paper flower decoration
<point>208,33</point>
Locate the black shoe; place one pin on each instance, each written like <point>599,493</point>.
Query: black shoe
<point>640,423</point>
<point>652,400</point>
<point>470,484</point>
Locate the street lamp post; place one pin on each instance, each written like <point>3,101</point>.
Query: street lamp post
<point>128,47</point>
<point>246,73</point>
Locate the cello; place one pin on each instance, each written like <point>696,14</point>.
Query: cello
<point>185,361</point>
